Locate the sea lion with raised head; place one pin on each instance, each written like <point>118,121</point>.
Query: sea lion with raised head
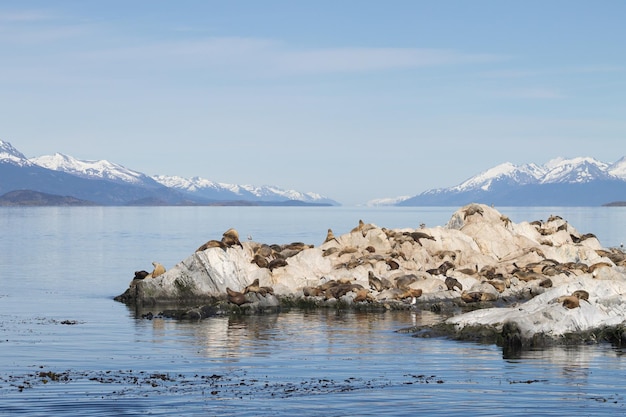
<point>254,287</point>
<point>581,295</point>
<point>569,301</point>
<point>452,283</point>
<point>231,238</point>
<point>158,269</point>
<point>330,236</point>
<point>141,274</point>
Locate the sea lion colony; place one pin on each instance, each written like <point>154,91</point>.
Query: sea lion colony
<point>402,264</point>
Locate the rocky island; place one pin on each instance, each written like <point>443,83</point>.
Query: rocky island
<point>516,284</point>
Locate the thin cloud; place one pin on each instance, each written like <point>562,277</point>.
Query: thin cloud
<point>264,56</point>
<point>531,93</point>
<point>25,16</point>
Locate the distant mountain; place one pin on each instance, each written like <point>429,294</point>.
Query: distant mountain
<point>107,183</point>
<point>99,170</point>
<point>581,181</point>
<point>203,188</point>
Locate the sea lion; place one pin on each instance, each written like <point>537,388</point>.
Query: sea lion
<point>477,296</point>
<point>374,282</point>
<point>471,210</point>
<point>410,293</point>
<point>546,283</point>
<point>445,253</point>
<point>158,269</point>
<point>231,238</point>
<point>363,295</point>
<point>264,250</point>
<point>581,295</point>
<point>403,282</point>
<point>330,236</point>
<point>330,251</point>
<point>498,285</point>
<point>468,271</point>
<point>569,301</point>
<point>236,297</point>
<point>452,283</point>
<point>420,235</point>
<point>276,263</point>
<point>392,264</point>
<point>141,274</point>
<point>441,269</point>
<point>348,249</point>
<point>359,227</point>
<point>212,244</point>
<point>260,261</point>
<point>505,220</point>
<point>254,287</point>
<point>311,291</point>
<point>592,268</point>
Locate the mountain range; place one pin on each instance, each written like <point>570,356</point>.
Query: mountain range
<point>581,181</point>
<point>106,183</point>
<point>63,180</point>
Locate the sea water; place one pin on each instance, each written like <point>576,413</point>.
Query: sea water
<point>67,348</point>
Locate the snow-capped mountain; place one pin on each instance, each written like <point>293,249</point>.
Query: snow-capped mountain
<point>202,187</point>
<point>576,170</point>
<point>383,202</point>
<point>576,181</point>
<point>523,174</point>
<point>9,154</point>
<point>109,183</point>
<point>101,169</point>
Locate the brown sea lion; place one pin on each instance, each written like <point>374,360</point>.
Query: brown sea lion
<point>403,282</point>
<point>260,261</point>
<point>452,283</point>
<point>471,210</point>
<point>569,301</point>
<point>359,228</point>
<point>363,295</point>
<point>311,291</point>
<point>236,297</point>
<point>581,295</point>
<point>416,236</point>
<point>330,236</point>
<point>505,220</point>
<point>254,287</point>
<point>231,238</point>
<point>264,250</point>
<point>392,264</point>
<point>212,244</point>
<point>374,282</point>
<point>498,285</point>
<point>410,293</point>
<point>276,263</point>
<point>158,269</point>
<point>546,283</point>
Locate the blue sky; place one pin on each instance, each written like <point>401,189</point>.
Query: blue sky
<point>355,100</point>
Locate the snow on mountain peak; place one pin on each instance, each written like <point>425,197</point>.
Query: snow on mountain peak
<point>100,169</point>
<point>9,153</point>
<point>575,170</point>
<point>618,168</point>
<point>521,174</point>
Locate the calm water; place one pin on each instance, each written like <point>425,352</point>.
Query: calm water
<point>69,349</point>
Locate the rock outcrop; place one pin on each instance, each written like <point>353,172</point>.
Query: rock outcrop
<point>515,274</point>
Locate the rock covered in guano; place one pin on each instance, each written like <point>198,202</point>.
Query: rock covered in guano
<point>521,276</point>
